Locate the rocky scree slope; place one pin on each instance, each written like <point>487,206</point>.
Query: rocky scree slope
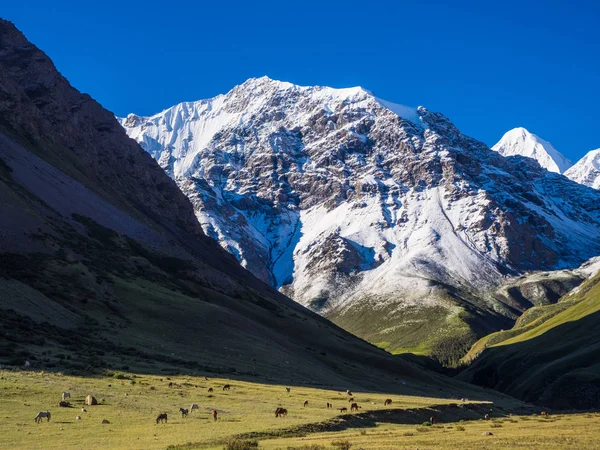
<point>103,263</point>
<point>385,218</point>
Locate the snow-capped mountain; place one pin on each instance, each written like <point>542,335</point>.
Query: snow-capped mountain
<point>587,170</point>
<point>519,141</point>
<point>380,216</point>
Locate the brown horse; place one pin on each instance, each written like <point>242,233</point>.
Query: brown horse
<point>354,407</point>
<point>351,399</point>
<point>184,412</point>
<point>305,403</point>
<point>281,412</point>
<point>544,414</point>
<point>214,414</point>
<point>226,387</point>
<point>432,420</point>
<point>388,401</point>
<point>210,390</point>
<point>343,409</point>
<point>329,405</point>
<point>162,418</point>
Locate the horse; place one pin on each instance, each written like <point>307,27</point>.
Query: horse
<point>354,407</point>
<point>388,401</point>
<point>78,418</point>
<point>281,412</point>
<point>351,399</point>
<point>193,407</point>
<point>329,405</point>
<point>486,417</point>
<point>349,393</point>
<point>432,420</point>
<point>210,390</point>
<point>226,387</point>
<point>63,404</point>
<point>214,414</point>
<point>288,389</point>
<point>171,384</point>
<point>343,410</point>
<point>66,395</point>
<point>544,414</point>
<point>305,403</point>
<point>184,412</point>
<point>41,415</point>
<point>162,418</point>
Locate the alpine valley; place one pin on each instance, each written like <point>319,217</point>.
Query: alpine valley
<point>385,219</point>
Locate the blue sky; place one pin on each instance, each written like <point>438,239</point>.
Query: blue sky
<point>487,65</point>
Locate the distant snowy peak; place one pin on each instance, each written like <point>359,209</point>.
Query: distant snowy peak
<point>587,170</point>
<point>519,141</point>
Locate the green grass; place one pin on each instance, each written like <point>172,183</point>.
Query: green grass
<point>553,359</point>
<point>574,431</point>
<point>247,409</point>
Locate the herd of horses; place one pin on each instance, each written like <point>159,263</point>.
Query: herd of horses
<point>279,411</point>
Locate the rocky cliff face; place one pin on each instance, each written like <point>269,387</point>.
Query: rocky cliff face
<point>359,208</point>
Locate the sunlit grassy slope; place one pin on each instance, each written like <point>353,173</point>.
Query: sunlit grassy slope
<point>551,356</point>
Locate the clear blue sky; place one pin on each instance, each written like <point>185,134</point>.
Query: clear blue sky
<point>487,65</point>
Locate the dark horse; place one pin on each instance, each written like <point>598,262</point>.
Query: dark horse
<point>162,418</point>
<point>280,412</point>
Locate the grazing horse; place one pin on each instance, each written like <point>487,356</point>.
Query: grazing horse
<point>214,414</point>
<point>171,384</point>
<point>193,407</point>
<point>184,412</point>
<point>66,395</point>
<point>63,404</point>
<point>351,399</point>
<point>305,403</point>
<point>388,401</point>
<point>349,393</point>
<point>288,389</point>
<point>343,409</point>
<point>41,415</point>
<point>210,390</point>
<point>162,418</point>
<point>354,407</point>
<point>329,405</point>
<point>226,387</point>
<point>544,414</point>
<point>432,420</point>
<point>281,412</point>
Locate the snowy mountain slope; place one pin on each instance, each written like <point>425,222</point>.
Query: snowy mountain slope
<point>519,141</point>
<point>587,170</point>
<point>380,216</point>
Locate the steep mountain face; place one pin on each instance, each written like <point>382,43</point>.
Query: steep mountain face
<point>103,263</point>
<point>382,217</point>
<point>520,142</point>
<point>587,170</point>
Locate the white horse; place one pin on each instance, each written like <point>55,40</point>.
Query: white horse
<point>41,415</point>
<point>66,395</point>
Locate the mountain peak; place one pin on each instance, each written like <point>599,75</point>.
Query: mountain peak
<point>587,170</point>
<point>520,141</point>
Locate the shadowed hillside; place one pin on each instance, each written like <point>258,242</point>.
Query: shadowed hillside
<point>551,357</point>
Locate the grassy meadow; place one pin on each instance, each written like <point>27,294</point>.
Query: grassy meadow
<point>131,403</point>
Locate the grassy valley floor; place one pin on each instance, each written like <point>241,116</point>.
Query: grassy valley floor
<point>131,404</point>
